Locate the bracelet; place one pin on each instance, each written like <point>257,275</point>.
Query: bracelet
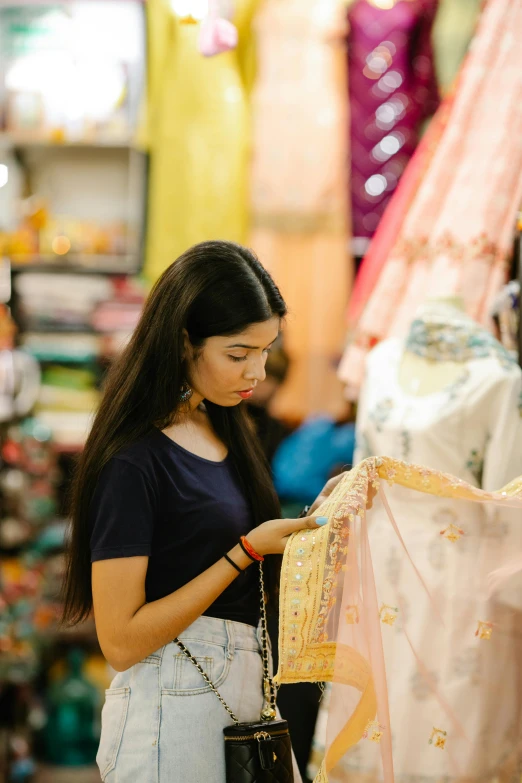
<point>235,565</point>
<point>249,550</point>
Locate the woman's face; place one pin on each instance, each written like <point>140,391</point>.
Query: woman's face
<point>229,368</point>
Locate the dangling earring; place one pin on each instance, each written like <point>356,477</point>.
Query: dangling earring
<point>185,392</point>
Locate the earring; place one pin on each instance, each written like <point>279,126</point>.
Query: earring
<point>185,393</point>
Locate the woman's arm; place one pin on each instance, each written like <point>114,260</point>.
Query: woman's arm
<point>129,629</point>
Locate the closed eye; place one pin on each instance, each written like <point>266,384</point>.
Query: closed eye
<point>238,358</point>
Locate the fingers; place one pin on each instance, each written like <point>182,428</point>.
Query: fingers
<point>312,522</point>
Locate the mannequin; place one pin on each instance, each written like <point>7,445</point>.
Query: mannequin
<point>419,375</point>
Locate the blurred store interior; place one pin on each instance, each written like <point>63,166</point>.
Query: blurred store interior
<point>369,151</point>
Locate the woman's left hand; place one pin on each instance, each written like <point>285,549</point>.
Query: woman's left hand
<point>329,488</point>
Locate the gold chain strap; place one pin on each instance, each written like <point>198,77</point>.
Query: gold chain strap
<point>207,679</point>
<point>269,687</point>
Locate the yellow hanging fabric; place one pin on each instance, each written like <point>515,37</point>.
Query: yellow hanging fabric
<point>196,127</point>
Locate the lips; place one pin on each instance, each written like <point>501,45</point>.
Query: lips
<point>245,395</point>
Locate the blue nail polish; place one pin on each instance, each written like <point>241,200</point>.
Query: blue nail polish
<point>321,520</point>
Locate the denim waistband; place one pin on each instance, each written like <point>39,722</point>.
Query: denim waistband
<point>228,633</point>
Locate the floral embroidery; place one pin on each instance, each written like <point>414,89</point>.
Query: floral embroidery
<point>373,731</point>
<point>381,413</point>
<point>452,533</point>
<point>388,614</point>
<point>484,630</point>
<point>405,445</point>
<point>438,738</point>
<point>421,687</point>
<point>421,248</point>
<point>467,665</point>
<point>458,342</point>
<point>475,465</point>
<point>363,444</point>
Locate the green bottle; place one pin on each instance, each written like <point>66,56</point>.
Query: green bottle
<point>72,732</point>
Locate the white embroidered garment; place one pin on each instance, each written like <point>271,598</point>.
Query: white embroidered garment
<point>471,428</point>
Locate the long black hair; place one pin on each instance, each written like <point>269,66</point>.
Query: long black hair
<point>214,288</point>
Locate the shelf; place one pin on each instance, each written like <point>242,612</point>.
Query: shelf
<point>8,139</point>
<point>75,264</point>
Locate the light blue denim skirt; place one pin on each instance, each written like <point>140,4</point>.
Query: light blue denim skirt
<point>161,723</point>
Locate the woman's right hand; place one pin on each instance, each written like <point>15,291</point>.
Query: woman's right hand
<point>271,537</point>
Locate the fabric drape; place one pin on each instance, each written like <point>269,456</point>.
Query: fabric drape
<point>340,625</point>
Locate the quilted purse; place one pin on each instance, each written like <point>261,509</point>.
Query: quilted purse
<point>259,752</point>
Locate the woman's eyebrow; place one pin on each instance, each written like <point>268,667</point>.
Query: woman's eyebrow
<point>248,347</point>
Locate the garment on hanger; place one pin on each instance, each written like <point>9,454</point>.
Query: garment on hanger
<point>449,397</point>
<point>392,90</point>
<point>196,127</point>
<point>300,229</point>
<point>457,234</point>
<point>392,221</point>
<point>453,31</point>
<point>452,612</point>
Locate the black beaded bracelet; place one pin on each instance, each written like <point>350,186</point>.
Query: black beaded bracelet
<point>235,565</point>
<point>247,553</point>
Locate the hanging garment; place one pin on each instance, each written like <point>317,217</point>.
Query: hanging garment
<point>299,191</point>
<point>392,91</point>
<point>471,427</point>
<point>197,130</point>
<point>391,224</point>
<point>453,31</point>
<point>457,234</point>
<point>451,610</point>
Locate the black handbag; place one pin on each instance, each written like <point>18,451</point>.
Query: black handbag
<point>259,752</point>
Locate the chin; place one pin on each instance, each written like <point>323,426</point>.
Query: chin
<point>225,402</point>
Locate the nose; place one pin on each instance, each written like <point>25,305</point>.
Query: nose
<point>256,369</point>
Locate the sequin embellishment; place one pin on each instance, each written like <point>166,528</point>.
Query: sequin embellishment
<point>452,533</point>
<point>484,630</point>
<point>388,614</point>
<point>438,738</point>
<point>373,731</point>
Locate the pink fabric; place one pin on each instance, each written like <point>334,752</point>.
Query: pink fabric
<point>470,686</point>
<point>217,35</point>
<point>456,237</point>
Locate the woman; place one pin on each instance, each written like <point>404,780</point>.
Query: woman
<point>166,486</point>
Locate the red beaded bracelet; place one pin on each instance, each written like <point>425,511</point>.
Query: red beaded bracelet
<point>249,550</point>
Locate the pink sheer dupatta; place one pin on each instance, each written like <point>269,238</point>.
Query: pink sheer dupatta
<point>345,621</point>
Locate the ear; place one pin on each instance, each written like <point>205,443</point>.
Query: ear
<point>187,345</point>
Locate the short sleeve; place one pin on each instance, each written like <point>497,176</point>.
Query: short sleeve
<point>122,512</point>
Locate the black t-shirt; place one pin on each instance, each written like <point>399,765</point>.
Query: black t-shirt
<point>155,498</point>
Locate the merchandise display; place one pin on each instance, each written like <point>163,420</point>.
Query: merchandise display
<point>457,235</point>
<point>370,154</point>
<point>392,91</point>
<point>196,130</point>
<point>299,194</point>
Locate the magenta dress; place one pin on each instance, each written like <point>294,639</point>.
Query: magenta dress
<point>393,90</point>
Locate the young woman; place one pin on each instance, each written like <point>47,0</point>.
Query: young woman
<point>170,480</point>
